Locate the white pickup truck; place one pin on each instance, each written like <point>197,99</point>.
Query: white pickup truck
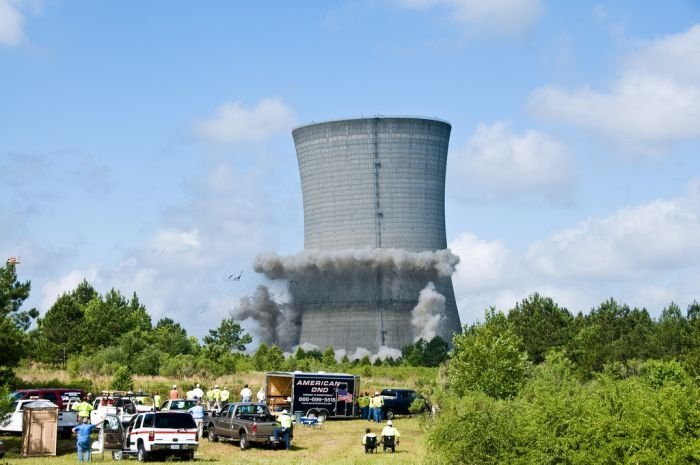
<point>122,407</point>
<point>12,423</point>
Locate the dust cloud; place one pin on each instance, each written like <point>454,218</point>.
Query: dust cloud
<point>427,314</point>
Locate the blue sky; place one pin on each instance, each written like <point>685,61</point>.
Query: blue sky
<point>147,146</point>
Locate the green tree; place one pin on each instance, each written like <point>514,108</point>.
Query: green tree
<point>329,358</point>
<point>541,325</point>
<point>122,380</point>
<point>670,333</point>
<point>58,332</point>
<point>227,338</point>
<point>610,333</point>
<point>487,357</point>
<point>275,358</point>
<point>13,322</point>
<point>260,360</point>
<point>170,338</point>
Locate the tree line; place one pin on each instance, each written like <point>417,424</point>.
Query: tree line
<point>539,385</point>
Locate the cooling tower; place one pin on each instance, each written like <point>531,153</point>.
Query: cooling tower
<point>373,188</point>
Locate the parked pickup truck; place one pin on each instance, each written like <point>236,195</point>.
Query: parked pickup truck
<point>244,422</point>
<point>397,402</point>
<point>12,422</point>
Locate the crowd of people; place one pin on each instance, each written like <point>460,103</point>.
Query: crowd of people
<point>370,408</point>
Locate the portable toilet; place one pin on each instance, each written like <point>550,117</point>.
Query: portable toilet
<point>39,429</point>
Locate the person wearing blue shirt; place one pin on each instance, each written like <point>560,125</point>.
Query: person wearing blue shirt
<point>84,446</point>
<point>197,413</point>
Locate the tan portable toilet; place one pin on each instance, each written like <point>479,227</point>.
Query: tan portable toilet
<point>39,429</point>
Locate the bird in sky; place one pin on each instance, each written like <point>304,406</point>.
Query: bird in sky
<point>236,278</point>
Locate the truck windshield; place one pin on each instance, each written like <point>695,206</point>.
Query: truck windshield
<point>175,421</point>
<point>182,404</point>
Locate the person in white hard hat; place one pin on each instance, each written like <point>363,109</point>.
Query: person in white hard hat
<point>389,431</point>
<point>285,428</point>
<point>174,394</point>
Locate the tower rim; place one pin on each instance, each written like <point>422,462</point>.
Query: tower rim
<point>360,118</point>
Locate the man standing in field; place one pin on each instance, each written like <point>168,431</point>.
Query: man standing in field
<point>217,397</point>
<point>285,428</point>
<point>376,404</point>
<point>225,394</point>
<point>198,393</point>
<point>246,394</point>
<point>174,394</point>
<point>84,408</point>
<point>83,431</point>
<point>197,413</point>
<point>156,400</point>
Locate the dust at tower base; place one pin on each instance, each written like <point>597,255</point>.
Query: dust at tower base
<point>374,233</point>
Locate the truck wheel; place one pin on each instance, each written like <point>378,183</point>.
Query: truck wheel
<point>322,415</point>
<point>117,455</point>
<point>244,441</point>
<point>211,434</point>
<point>312,414</point>
<point>389,414</point>
<point>142,455</point>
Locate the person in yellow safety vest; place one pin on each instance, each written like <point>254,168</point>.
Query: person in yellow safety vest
<point>156,400</point>
<point>363,403</point>
<point>376,403</point>
<point>210,398</point>
<point>217,397</point>
<point>285,428</point>
<point>225,394</point>
<point>84,408</point>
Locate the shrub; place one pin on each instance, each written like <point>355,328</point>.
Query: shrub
<point>122,381</point>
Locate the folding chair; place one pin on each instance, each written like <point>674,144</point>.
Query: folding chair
<point>371,445</point>
<point>389,443</point>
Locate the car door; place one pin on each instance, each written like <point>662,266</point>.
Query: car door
<point>112,433</point>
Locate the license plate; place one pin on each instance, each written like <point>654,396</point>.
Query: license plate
<point>272,438</point>
<point>175,446</point>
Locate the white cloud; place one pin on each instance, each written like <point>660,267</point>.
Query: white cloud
<point>660,235</point>
<point>492,16</point>
<point>233,122</point>
<point>645,255</point>
<point>506,163</point>
<point>655,101</point>
<point>51,290</point>
<point>11,23</point>
<point>483,264</point>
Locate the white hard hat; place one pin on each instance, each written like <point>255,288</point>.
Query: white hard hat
<point>284,411</point>
<point>216,386</point>
<point>197,384</point>
<point>174,386</point>
<point>376,393</point>
<point>389,423</point>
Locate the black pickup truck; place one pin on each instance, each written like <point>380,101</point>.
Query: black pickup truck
<point>397,402</point>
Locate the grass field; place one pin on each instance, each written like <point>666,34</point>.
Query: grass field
<point>339,442</point>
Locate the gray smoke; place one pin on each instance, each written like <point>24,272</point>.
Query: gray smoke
<point>440,263</point>
<point>278,322</point>
<point>427,314</point>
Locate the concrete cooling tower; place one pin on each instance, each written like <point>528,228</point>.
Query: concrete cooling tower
<point>375,271</point>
